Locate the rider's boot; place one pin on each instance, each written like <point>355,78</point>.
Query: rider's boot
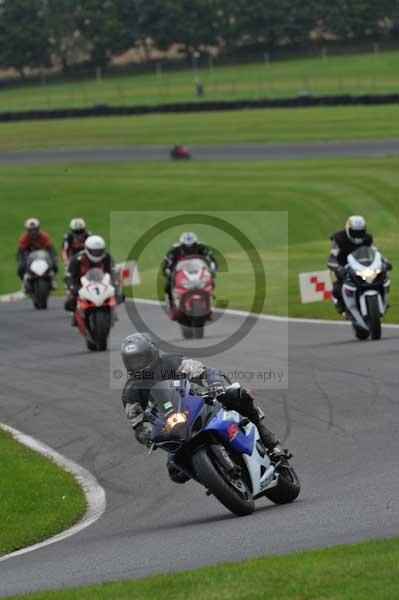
<point>268,438</point>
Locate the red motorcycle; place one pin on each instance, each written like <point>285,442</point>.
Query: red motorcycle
<point>95,309</point>
<point>192,287</point>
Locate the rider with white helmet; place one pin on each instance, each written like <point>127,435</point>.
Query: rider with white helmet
<point>188,245</point>
<point>94,255</point>
<point>74,240</point>
<point>343,243</point>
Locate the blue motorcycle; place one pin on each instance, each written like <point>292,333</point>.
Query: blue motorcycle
<point>216,447</point>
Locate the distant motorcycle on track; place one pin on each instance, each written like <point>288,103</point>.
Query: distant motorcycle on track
<point>365,291</point>
<point>218,448</point>
<point>192,285</point>
<point>39,278</point>
<point>95,309</point>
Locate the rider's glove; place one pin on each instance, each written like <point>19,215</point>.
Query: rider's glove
<point>340,272</point>
<point>134,413</point>
<point>388,265</point>
<point>216,388</point>
<point>143,433</point>
<point>167,271</point>
<point>191,368</point>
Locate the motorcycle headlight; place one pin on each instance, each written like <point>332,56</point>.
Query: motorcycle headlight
<point>198,283</point>
<point>368,274</point>
<point>175,419</point>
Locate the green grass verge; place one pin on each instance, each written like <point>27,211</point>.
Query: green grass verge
<point>354,73</point>
<point>363,571</point>
<point>318,195</point>
<point>258,125</point>
<point>37,498</point>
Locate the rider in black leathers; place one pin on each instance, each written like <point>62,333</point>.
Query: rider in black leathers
<point>343,243</point>
<point>188,246</point>
<point>146,366</point>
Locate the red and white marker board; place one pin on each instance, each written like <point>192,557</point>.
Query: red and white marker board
<point>315,286</point>
<point>129,273</point>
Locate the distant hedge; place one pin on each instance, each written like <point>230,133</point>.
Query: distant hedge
<point>190,107</point>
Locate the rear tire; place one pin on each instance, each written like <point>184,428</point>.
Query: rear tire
<point>287,488</point>
<point>374,318</point>
<point>239,504</point>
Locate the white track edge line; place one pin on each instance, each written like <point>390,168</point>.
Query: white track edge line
<point>93,491</point>
<point>267,317</point>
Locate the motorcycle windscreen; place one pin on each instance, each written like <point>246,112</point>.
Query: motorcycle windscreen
<point>95,275</point>
<point>191,265</point>
<point>364,255</point>
<point>38,255</point>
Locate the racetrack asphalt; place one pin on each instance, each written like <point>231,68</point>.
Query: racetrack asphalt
<point>211,152</point>
<point>340,417</point>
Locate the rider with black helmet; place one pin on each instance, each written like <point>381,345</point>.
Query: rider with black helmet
<point>146,365</point>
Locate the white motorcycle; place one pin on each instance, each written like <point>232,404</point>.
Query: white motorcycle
<point>95,309</point>
<point>39,278</point>
<point>365,291</point>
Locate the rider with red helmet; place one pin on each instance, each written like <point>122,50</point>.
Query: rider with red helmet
<point>34,239</point>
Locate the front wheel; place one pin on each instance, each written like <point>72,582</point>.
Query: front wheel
<point>100,324</point>
<point>287,488</point>
<point>187,332</point>
<point>41,291</point>
<point>374,318</point>
<point>232,493</point>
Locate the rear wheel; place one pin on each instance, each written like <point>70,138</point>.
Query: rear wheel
<point>41,291</point>
<point>374,318</point>
<point>233,493</point>
<point>287,488</point>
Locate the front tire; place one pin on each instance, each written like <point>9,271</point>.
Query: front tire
<point>41,291</point>
<point>100,325</point>
<point>374,318</point>
<point>240,504</point>
<point>187,332</point>
<point>287,488</point>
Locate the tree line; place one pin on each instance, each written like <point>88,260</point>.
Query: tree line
<point>65,33</point>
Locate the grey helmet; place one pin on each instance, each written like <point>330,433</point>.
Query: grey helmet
<point>139,352</point>
<point>356,229</point>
